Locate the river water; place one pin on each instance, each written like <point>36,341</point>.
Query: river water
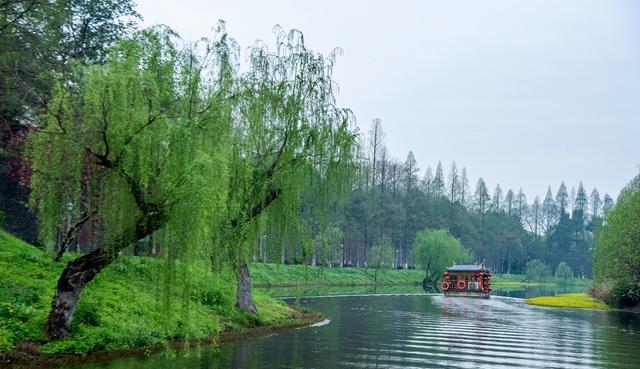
<point>424,331</point>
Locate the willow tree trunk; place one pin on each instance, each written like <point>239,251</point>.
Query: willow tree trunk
<point>77,274</point>
<point>245,300</point>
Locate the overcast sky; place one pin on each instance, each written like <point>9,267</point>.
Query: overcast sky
<point>523,93</point>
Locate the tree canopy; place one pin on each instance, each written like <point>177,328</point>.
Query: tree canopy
<point>435,250</point>
<point>617,253</point>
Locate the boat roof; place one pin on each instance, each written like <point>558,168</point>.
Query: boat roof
<point>465,268</point>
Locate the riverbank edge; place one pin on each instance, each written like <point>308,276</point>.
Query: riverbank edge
<point>315,285</point>
<point>383,284</point>
<point>27,355</point>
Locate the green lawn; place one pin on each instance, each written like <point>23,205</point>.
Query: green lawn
<point>520,280</point>
<point>294,275</point>
<point>133,303</point>
<point>568,300</point>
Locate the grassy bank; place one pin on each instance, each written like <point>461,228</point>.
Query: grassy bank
<point>131,304</point>
<point>569,300</point>
<point>520,280</point>
<point>265,275</point>
<point>276,275</point>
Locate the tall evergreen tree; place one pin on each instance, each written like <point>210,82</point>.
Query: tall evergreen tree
<point>465,195</point>
<point>376,144</point>
<point>410,171</point>
<point>596,203</point>
<point>562,199</point>
<point>496,203</point>
<point>482,199</point>
<point>581,203</point>
<point>454,184</point>
<point>509,200</point>
<point>438,182</point>
<point>427,182</point>
<point>549,211</point>
<point>535,215</point>
<point>521,204</point>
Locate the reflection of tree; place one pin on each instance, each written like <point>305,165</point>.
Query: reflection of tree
<point>241,355</point>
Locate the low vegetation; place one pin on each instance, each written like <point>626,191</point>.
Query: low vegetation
<point>264,275</point>
<point>130,304</point>
<point>569,300</point>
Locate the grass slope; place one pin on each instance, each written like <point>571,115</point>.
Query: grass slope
<point>293,275</point>
<point>569,300</point>
<point>127,305</point>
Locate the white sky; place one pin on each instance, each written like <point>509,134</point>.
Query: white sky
<point>523,93</point>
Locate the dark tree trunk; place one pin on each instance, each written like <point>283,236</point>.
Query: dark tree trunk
<point>245,300</point>
<point>74,278</point>
<point>79,272</point>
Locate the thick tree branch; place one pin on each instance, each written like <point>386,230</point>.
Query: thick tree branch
<point>72,234</point>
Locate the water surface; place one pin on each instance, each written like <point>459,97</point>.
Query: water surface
<point>426,331</point>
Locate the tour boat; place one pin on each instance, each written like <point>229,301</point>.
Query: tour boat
<point>467,280</point>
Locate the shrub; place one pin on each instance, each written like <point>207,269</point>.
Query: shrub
<point>564,271</point>
<point>625,293</point>
<point>537,270</point>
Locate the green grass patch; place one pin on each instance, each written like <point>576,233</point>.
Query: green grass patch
<point>299,275</point>
<point>135,302</point>
<point>569,300</point>
<point>520,280</point>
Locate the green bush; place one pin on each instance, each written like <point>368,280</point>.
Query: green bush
<point>537,270</point>
<point>563,271</point>
<point>625,293</point>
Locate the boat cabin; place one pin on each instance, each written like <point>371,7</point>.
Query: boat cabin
<point>469,280</point>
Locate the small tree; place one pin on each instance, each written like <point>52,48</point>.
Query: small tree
<point>564,271</point>
<point>434,250</point>
<point>537,270</point>
<point>381,255</point>
<point>326,244</point>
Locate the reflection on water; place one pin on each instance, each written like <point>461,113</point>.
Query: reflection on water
<point>427,331</point>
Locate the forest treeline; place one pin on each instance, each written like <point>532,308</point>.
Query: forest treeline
<point>390,203</point>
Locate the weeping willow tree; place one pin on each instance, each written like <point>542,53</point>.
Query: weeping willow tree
<point>288,136</point>
<point>142,145</point>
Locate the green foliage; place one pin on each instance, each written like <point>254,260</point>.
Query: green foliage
<point>125,307</point>
<point>327,243</point>
<point>128,140</point>
<point>178,144</point>
<point>289,140</point>
<point>381,254</point>
<point>617,253</point>
<point>537,270</point>
<point>563,270</point>
<point>435,250</point>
